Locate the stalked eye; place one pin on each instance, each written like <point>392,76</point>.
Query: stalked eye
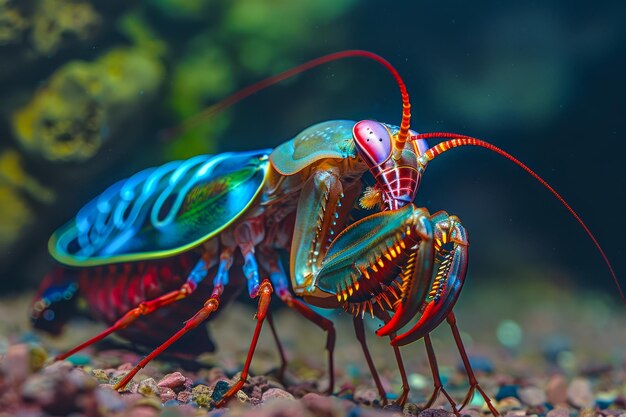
<point>373,141</point>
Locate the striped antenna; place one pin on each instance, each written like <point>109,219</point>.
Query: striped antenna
<point>456,140</point>
<point>261,85</point>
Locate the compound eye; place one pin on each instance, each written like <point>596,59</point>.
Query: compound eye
<point>373,141</point>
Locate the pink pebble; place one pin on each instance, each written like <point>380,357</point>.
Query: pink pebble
<point>166,394</point>
<point>173,380</point>
<point>184,396</point>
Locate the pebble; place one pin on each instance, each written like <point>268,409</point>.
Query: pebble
<point>144,411</point>
<point>173,380</point>
<point>366,395</point>
<point>588,412</point>
<point>127,366</point>
<point>166,394</point>
<point>507,391</point>
<point>276,393</point>
<point>318,404</point>
<point>100,375</point>
<point>59,392</point>
<point>515,413</point>
<point>471,413</point>
<point>605,399</point>
<point>435,412</point>
<point>579,393</point>
<point>532,396</point>
<point>508,403</point>
<point>79,360</point>
<point>148,387</point>
<point>15,364</point>
<point>201,394</point>
<point>558,412</point>
<point>184,396</point>
<point>108,399</point>
<point>556,390</point>
<point>242,397</point>
<point>410,409</point>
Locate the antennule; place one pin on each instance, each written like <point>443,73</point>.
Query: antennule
<point>456,140</point>
<point>251,89</point>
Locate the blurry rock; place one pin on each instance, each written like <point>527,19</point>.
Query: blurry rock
<point>507,391</point>
<point>579,393</point>
<point>470,413</point>
<point>508,403</point>
<point>605,399</point>
<point>58,22</point>
<point>242,397</point>
<point>173,380</point>
<point>108,399</point>
<point>588,412</point>
<point>411,409</point>
<point>13,21</point>
<point>319,404</point>
<point>166,394</point>
<point>16,214</point>
<point>16,364</point>
<point>558,412</point>
<point>85,103</point>
<point>184,396</point>
<point>18,191</point>
<point>435,412</point>
<point>144,411</point>
<point>366,395</point>
<point>100,375</point>
<point>59,389</point>
<point>556,390</point>
<point>532,396</point>
<point>148,387</point>
<point>515,413</point>
<point>125,367</point>
<point>276,393</point>
<point>201,394</point>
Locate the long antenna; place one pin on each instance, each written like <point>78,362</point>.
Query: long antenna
<point>256,87</point>
<point>456,140</point>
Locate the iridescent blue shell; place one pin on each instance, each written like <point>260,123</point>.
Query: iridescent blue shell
<point>162,211</point>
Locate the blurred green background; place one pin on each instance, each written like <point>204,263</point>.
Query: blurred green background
<point>86,87</point>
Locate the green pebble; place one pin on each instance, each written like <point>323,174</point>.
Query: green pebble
<point>220,389</point>
<point>100,376</point>
<point>148,387</point>
<point>151,402</point>
<point>38,356</point>
<point>202,395</point>
<point>79,360</point>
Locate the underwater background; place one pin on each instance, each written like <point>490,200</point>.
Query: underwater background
<point>87,89</point>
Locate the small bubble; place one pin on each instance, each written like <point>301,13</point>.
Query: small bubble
<point>509,333</point>
<point>48,315</point>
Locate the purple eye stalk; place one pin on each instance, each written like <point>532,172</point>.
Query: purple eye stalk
<point>373,141</point>
<point>394,169</point>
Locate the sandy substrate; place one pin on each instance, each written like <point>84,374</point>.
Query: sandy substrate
<point>547,352</point>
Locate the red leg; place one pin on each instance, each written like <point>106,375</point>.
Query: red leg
<point>384,316</point>
<point>142,309</point>
<point>210,306</point>
<point>405,382</point>
<point>468,368</point>
<point>264,292</point>
<point>432,360</point>
<point>281,351</point>
<point>360,335</point>
<point>322,322</point>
